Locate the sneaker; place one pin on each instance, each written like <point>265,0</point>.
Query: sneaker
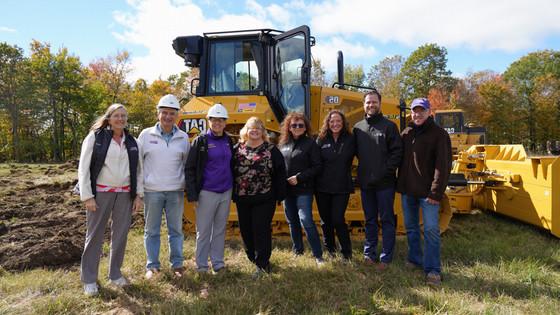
<point>381,266</point>
<point>178,272</point>
<point>151,273</point>
<point>91,289</point>
<point>120,282</point>
<point>433,279</point>
<point>320,262</point>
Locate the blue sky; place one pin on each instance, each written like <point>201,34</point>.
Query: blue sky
<point>478,34</point>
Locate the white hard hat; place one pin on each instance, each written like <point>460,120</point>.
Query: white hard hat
<point>169,101</point>
<point>217,111</point>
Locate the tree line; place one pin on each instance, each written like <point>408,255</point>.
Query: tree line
<point>49,99</point>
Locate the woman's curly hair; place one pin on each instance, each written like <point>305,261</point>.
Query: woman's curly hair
<point>285,134</point>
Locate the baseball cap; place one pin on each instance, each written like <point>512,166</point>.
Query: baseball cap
<point>420,102</point>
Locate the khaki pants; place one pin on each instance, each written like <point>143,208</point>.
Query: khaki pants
<point>211,218</point>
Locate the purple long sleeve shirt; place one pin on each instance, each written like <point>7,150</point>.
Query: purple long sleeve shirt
<point>217,176</point>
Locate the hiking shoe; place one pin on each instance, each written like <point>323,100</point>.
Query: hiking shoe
<point>178,272</point>
<point>433,279</point>
<point>120,282</point>
<point>320,262</point>
<point>151,273</point>
<point>91,289</point>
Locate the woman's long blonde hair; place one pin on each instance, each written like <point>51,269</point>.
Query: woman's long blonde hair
<point>103,121</point>
<point>252,122</point>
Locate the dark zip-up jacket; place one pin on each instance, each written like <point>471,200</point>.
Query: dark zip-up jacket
<point>379,150</point>
<point>302,158</point>
<point>196,161</point>
<point>101,146</point>
<point>426,165</point>
<point>336,157</point>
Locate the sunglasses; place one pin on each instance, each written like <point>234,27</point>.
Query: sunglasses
<point>297,126</point>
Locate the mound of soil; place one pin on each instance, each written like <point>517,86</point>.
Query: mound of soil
<point>41,225</point>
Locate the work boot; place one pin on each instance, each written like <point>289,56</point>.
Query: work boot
<point>433,279</point>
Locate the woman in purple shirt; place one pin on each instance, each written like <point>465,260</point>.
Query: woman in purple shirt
<point>209,182</point>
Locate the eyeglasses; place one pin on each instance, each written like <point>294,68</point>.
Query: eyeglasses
<point>297,126</point>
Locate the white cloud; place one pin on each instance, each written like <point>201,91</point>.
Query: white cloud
<point>155,23</point>
<point>347,25</point>
<point>476,24</point>
<point>7,29</point>
<point>326,51</point>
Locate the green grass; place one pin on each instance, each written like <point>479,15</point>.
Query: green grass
<point>492,265</point>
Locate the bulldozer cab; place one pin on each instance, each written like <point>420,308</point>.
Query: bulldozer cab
<point>265,62</point>
<point>462,135</point>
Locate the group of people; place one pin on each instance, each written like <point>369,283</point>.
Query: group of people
<point>119,174</point>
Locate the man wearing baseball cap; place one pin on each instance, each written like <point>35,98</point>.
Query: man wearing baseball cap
<point>164,149</point>
<point>422,180</point>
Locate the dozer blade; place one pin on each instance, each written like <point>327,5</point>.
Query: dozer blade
<point>513,184</point>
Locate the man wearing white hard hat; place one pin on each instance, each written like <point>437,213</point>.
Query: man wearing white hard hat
<point>209,179</point>
<point>164,150</point>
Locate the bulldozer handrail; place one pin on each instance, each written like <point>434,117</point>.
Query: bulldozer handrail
<point>342,85</point>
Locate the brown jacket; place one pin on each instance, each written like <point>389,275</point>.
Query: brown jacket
<point>426,162</point>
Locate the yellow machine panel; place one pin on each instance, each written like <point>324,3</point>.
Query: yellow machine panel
<point>509,182</point>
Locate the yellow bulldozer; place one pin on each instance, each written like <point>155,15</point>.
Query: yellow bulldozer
<point>463,135</point>
<point>267,73</point>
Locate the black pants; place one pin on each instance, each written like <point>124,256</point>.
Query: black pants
<point>331,209</point>
<point>255,217</point>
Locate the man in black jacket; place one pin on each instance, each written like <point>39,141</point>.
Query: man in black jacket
<point>379,151</point>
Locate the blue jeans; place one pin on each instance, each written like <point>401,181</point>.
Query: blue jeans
<point>430,216</point>
<point>154,203</point>
<point>379,203</point>
<point>298,212</point>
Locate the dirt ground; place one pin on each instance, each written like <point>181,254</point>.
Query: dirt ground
<point>42,224</point>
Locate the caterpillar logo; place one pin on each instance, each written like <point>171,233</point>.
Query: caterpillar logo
<point>194,126</point>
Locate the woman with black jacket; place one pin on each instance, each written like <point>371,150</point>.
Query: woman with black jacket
<point>111,186</point>
<point>303,163</point>
<point>259,182</point>
<point>334,183</point>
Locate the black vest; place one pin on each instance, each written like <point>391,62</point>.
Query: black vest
<point>101,146</point>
